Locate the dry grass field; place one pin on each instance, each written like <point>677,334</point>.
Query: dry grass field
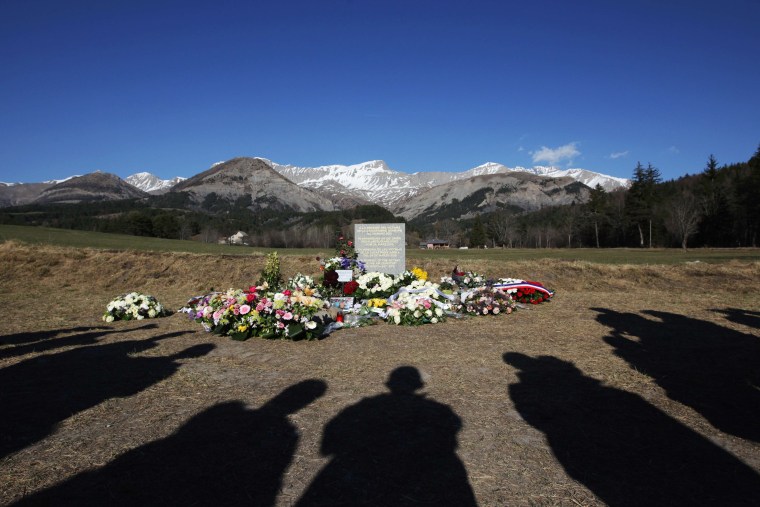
<point>637,385</point>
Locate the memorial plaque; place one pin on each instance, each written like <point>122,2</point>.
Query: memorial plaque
<point>344,275</point>
<point>382,247</point>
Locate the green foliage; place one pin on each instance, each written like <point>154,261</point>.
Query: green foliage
<point>271,273</point>
<point>478,234</point>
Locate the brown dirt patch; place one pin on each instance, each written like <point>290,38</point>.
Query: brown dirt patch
<point>636,385</point>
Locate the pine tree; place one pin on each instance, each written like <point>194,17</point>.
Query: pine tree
<point>641,200</point>
<point>597,207</point>
<point>478,234</point>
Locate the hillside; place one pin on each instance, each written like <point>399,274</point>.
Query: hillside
<point>250,178</point>
<point>483,194</point>
<point>97,186</point>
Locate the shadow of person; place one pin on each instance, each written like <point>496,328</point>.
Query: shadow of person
<point>623,449</point>
<point>40,392</point>
<point>710,368</point>
<point>395,448</point>
<point>740,316</point>
<point>226,455</point>
<point>38,336</point>
<point>49,340</point>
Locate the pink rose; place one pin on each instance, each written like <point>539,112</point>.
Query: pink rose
<point>244,309</point>
<point>287,316</point>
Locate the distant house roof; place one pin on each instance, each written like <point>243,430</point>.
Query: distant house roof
<point>436,241</point>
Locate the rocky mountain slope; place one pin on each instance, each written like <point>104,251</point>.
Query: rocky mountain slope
<point>491,192</point>
<point>17,194</point>
<point>97,186</point>
<point>242,177</point>
<point>589,178</point>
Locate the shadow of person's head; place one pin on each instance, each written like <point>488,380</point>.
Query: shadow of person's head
<point>545,366</point>
<point>404,380</point>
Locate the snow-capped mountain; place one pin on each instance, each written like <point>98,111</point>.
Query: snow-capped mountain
<point>372,181</point>
<point>375,182</point>
<point>152,184</point>
<point>588,178</point>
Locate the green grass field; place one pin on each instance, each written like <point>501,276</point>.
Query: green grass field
<point>85,239</point>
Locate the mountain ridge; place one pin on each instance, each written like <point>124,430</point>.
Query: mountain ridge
<point>378,183</point>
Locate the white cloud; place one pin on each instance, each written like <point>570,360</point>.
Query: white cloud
<point>618,154</point>
<point>520,149</point>
<point>553,156</point>
<point>674,149</point>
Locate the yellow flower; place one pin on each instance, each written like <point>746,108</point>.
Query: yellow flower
<point>420,273</point>
<point>242,327</point>
<point>377,302</point>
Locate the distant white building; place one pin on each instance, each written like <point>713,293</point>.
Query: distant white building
<point>239,238</point>
<point>434,243</point>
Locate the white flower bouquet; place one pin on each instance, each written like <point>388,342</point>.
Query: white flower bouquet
<point>134,306</point>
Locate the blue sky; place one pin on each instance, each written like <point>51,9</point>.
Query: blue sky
<point>171,87</point>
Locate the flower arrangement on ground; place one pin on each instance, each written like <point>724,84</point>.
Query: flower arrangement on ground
<point>133,306</point>
<point>242,314</point>
<point>531,295</point>
<point>346,258</point>
<point>463,280</point>
<point>303,283</point>
<point>408,277</point>
<point>525,291</point>
<point>419,303</point>
<point>487,300</point>
<point>375,285</point>
<point>411,309</point>
<point>349,288</point>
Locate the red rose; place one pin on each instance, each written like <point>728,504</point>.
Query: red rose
<point>287,292</point>
<point>534,302</point>
<point>350,287</point>
<point>350,243</point>
<point>250,297</point>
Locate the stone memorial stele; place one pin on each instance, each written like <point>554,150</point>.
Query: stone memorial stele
<point>382,247</point>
